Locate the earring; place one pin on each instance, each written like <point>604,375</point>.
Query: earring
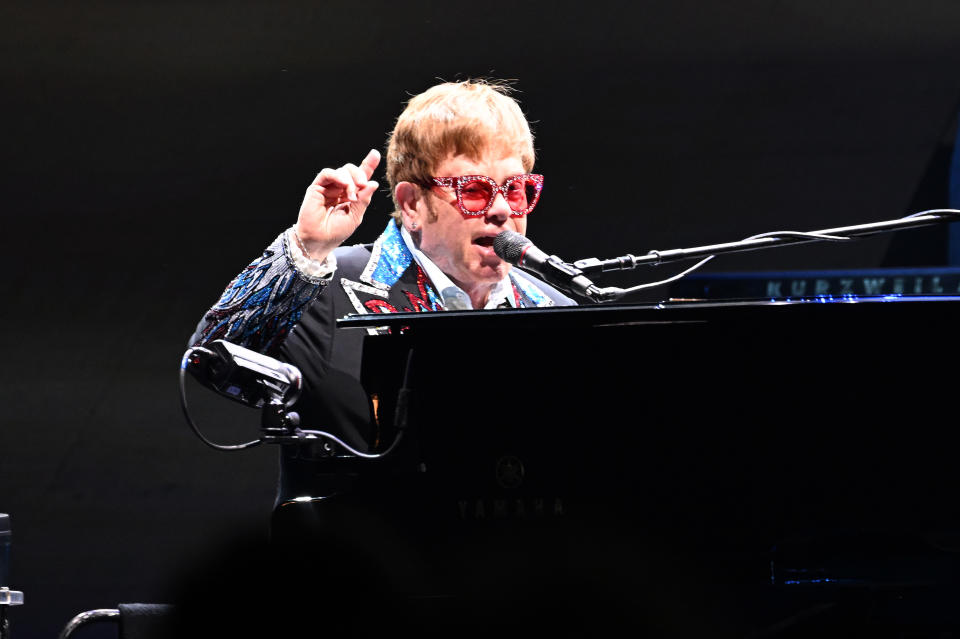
<point>413,226</point>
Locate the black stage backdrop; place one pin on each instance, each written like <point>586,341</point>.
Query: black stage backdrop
<point>152,149</point>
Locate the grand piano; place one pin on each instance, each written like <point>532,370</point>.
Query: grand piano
<point>758,455</point>
<point>691,465</point>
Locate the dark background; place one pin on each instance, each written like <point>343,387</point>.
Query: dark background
<point>152,149</point>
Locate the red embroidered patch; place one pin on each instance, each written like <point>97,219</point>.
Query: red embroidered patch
<point>418,304</point>
<point>380,306</point>
<point>421,303</point>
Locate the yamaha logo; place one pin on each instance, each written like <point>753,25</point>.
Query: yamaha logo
<point>518,508</point>
<point>509,472</point>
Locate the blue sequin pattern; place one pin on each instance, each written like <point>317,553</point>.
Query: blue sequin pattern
<point>390,258</point>
<point>530,295</point>
<point>261,305</point>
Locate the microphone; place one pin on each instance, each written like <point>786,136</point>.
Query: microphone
<point>518,250</point>
<point>455,300</point>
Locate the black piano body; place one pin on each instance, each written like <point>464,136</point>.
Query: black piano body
<point>630,451</point>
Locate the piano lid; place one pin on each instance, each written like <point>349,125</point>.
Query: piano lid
<point>891,308</point>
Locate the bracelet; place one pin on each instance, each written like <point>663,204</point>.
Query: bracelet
<point>313,270</point>
<point>303,249</point>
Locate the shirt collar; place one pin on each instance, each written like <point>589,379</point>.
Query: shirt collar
<point>503,291</point>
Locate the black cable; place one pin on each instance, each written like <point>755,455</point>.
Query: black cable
<point>319,434</point>
<point>298,434</point>
<point>400,419</point>
<point>186,411</point>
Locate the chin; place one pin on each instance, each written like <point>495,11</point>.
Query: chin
<point>483,278</point>
<point>493,274</point>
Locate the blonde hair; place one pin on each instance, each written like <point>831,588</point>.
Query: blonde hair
<point>472,118</point>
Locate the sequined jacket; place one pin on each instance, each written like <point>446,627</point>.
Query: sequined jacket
<point>273,308</point>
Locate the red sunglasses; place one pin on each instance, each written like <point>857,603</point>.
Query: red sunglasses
<point>475,193</point>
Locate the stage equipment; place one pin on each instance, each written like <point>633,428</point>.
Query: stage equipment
<point>262,382</point>
<point>244,375</point>
<point>8,597</point>
<point>133,621</point>
<point>517,250</point>
<point>729,441</point>
<point>629,452</point>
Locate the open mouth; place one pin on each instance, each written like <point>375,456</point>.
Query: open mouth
<point>484,241</point>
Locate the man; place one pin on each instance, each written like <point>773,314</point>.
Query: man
<point>459,164</point>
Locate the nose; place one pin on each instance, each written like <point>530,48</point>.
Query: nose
<point>499,210</point>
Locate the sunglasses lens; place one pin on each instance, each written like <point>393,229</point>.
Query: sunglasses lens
<point>522,193</point>
<point>475,195</point>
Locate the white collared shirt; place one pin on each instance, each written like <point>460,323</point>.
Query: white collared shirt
<point>502,291</point>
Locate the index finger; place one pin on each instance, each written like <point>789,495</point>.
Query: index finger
<point>369,164</point>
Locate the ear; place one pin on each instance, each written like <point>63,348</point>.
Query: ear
<point>409,198</point>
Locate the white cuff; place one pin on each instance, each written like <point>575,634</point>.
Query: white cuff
<point>313,269</point>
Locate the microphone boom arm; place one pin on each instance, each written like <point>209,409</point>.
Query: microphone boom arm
<point>768,240</point>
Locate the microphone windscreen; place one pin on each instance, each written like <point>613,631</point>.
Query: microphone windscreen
<point>509,246</point>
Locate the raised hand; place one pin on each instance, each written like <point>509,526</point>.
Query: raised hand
<point>334,204</point>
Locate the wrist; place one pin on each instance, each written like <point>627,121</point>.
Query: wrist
<point>314,251</point>
<point>312,263</point>
<point>311,249</point>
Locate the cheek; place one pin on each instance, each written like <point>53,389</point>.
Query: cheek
<point>520,224</point>
<point>443,242</point>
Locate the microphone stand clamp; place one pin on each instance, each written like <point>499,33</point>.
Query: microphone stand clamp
<point>279,425</point>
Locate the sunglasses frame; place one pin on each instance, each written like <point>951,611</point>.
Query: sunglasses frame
<point>456,183</point>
